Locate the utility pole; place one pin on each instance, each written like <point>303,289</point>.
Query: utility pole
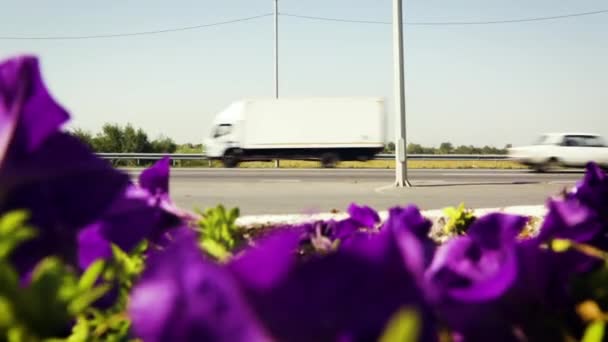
<point>400,145</point>
<point>276,49</point>
<point>276,59</point>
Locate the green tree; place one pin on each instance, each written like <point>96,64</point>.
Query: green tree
<point>446,148</point>
<point>110,139</point>
<point>390,147</point>
<point>462,149</point>
<point>163,145</point>
<point>84,136</point>
<point>135,141</point>
<point>415,148</point>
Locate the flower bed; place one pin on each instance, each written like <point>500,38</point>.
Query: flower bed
<point>86,254</point>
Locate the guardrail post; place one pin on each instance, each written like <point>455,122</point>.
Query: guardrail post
<point>277,163</point>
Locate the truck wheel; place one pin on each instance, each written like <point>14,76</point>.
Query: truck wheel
<point>230,159</point>
<point>364,157</point>
<point>329,160</point>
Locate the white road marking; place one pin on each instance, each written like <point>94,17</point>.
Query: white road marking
<point>280,180</point>
<point>488,174</point>
<point>381,189</point>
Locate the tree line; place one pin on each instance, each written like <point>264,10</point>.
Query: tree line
<point>115,138</point>
<point>448,148</point>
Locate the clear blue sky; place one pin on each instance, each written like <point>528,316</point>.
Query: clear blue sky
<point>491,84</point>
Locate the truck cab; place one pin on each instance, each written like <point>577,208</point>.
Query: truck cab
<point>223,140</point>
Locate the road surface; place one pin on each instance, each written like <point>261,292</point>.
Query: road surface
<point>296,191</point>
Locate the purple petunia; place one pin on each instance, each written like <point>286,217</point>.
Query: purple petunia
<point>322,234</point>
<point>580,217</point>
<point>349,294</point>
<point>51,174</point>
<point>142,212</point>
<point>183,297</point>
<point>487,285</point>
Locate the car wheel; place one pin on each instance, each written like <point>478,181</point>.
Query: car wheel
<point>545,166</point>
<point>550,165</point>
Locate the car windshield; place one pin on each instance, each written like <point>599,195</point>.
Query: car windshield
<point>548,140</point>
<point>584,141</point>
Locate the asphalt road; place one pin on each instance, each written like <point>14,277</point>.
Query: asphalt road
<point>295,191</point>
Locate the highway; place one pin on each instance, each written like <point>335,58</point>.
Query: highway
<point>297,191</point>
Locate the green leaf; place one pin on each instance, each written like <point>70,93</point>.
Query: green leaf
<point>18,334</point>
<point>594,332</point>
<point>124,260</point>
<point>80,331</point>
<point>12,221</point>
<point>219,233</point>
<point>233,215</point>
<point>13,231</point>
<point>90,276</point>
<point>84,300</point>
<point>404,326</point>
<point>215,249</point>
<point>9,280</point>
<point>458,219</point>
<point>7,317</point>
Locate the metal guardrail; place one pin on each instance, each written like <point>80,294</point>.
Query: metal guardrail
<point>382,156</point>
<point>491,157</point>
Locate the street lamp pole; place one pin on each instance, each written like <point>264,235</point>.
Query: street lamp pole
<point>400,145</point>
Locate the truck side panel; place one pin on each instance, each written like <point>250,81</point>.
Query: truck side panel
<point>313,123</point>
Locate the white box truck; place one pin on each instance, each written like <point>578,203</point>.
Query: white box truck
<point>325,129</point>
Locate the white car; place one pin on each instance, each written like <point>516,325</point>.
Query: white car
<point>562,150</point>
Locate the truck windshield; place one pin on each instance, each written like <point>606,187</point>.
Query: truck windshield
<point>221,130</point>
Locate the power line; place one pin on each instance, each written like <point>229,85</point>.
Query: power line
<point>196,27</point>
<point>186,28</point>
<point>335,19</point>
<point>445,23</point>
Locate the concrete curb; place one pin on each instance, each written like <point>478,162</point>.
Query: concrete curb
<point>266,220</point>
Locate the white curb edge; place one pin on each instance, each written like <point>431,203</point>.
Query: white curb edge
<point>254,220</point>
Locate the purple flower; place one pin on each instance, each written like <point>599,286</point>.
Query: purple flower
<point>410,219</point>
<point>92,245</point>
<point>475,269</point>
<point>269,261</point>
<point>365,216</point>
<point>592,190</point>
<point>142,212</point>
<point>488,279</point>
<point>351,293</point>
<point>569,219</point>
<point>183,297</point>
<point>323,234</point>
<point>580,217</point>
<point>592,193</point>
<point>28,114</point>
<point>54,176</point>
